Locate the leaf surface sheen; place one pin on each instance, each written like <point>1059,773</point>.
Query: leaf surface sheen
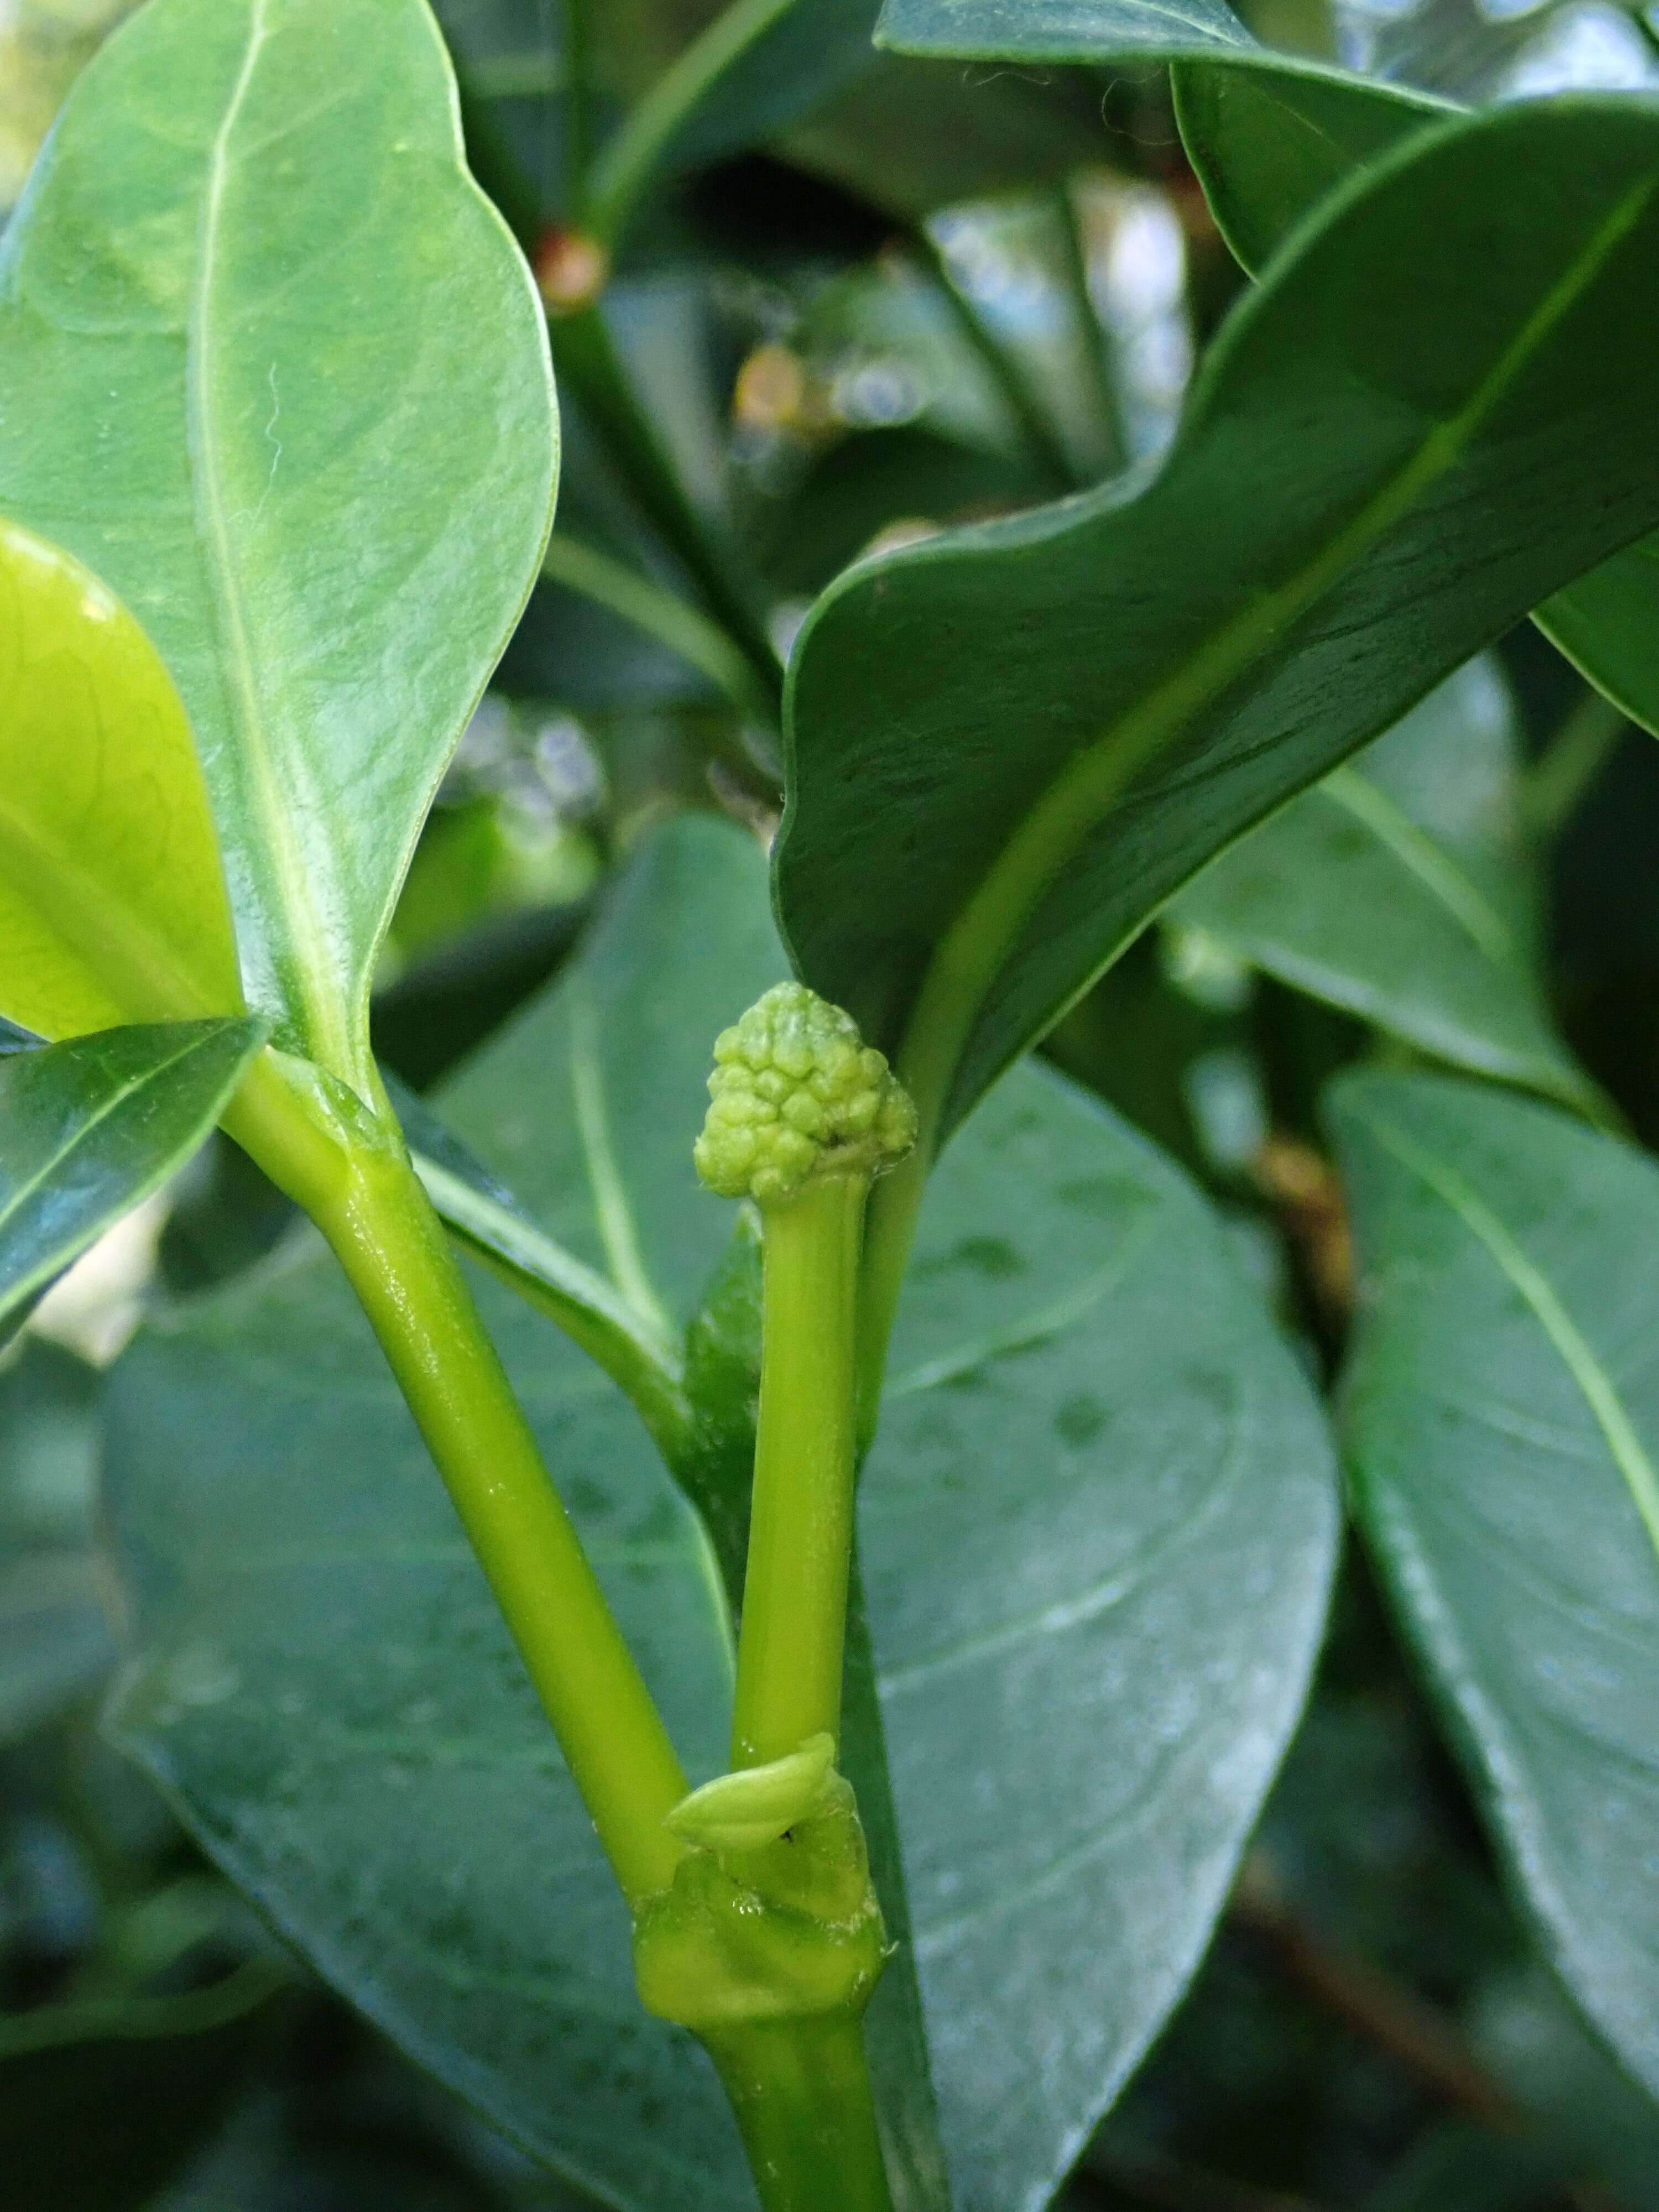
<point>1268,140</point>
<point>1350,510</point>
<point>1400,890</point>
<point>1128,1596</point>
<point>90,1128</point>
<point>1098,1527</point>
<point>271,366</point>
<point>1502,1416</point>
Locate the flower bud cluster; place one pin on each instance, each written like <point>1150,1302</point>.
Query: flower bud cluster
<point>798,1094</point>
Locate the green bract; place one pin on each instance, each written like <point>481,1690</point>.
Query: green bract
<point>797,1095</point>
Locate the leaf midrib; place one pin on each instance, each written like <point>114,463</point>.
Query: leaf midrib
<point>308,973</point>
<point>1428,863</point>
<point>1591,1377</point>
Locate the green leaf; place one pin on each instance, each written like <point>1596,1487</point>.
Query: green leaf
<point>1268,141</point>
<point>1361,471</point>
<point>1096,1533</point>
<point>1503,1424</point>
<point>1059,30</point>
<point>271,368</point>
<point>90,1128</point>
<point>1097,1530</point>
<point>111,899</point>
<point>1270,138</point>
<point>1400,890</point>
<point>55,1641</point>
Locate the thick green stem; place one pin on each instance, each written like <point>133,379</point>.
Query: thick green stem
<point>800,2090</point>
<point>800,1537</point>
<point>360,1189</point>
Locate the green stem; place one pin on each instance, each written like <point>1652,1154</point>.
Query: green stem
<point>662,616</point>
<point>638,1357</point>
<point>800,2091</point>
<point>365,1197</point>
<point>586,359</point>
<point>625,169</point>
<point>800,1533</point>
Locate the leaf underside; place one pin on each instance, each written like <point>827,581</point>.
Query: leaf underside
<point>271,368</point>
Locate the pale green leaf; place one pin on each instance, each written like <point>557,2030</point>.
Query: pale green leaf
<point>271,368</point>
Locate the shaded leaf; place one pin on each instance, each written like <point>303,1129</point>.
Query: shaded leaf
<point>90,1128</point>
<point>271,366</point>
<point>1502,1418</point>
<point>1400,890</point>
<point>111,899</point>
<point>1362,468</point>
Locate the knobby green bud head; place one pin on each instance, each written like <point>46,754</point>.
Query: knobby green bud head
<point>796,1095</point>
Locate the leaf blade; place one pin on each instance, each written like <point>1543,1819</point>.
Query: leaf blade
<point>1207,698</point>
<point>113,903</point>
<point>1399,890</point>
<point>1502,1427</point>
<point>91,1126</point>
<point>251,262</point>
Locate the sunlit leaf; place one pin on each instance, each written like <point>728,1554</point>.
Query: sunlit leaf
<point>271,368</point>
<point>111,898</point>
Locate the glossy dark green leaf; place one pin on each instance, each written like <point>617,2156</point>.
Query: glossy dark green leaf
<point>1059,30</point>
<point>1268,141</point>
<point>1270,138</point>
<point>1503,1426</point>
<point>1095,1544</point>
<point>1351,509</point>
<point>1097,1529</point>
<point>271,368</point>
<point>89,1127</point>
<point>1400,889</point>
